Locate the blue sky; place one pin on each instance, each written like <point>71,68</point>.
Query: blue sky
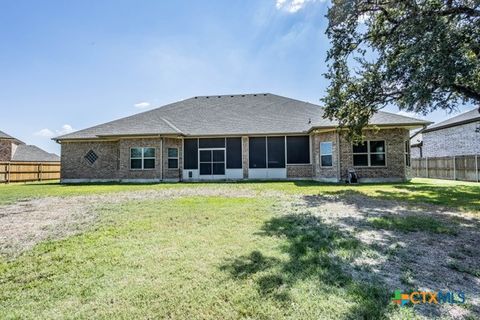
<point>68,65</point>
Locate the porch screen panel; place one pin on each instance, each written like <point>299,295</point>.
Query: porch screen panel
<point>234,153</point>
<point>257,152</point>
<point>298,150</point>
<point>212,143</point>
<point>191,154</point>
<point>276,152</point>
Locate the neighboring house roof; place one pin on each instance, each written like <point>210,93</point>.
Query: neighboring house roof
<point>29,153</point>
<point>3,135</point>
<point>263,113</point>
<point>463,118</point>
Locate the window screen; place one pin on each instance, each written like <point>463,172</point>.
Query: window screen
<point>212,143</point>
<point>369,153</point>
<point>257,152</point>
<point>172,158</point>
<point>190,153</point>
<point>298,149</point>
<point>276,152</point>
<point>234,153</point>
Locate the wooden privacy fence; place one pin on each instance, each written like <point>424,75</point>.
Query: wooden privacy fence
<point>465,168</point>
<point>29,171</point>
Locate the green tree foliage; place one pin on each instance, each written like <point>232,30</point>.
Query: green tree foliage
<point>420,55</point>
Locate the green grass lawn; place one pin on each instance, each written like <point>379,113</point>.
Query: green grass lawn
<point>207,257</point>
<point>456,194</point>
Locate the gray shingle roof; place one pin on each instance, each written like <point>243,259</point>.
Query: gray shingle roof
<point>29,153</point>
<point>466,117</point>
<point>3,135</point>
<point>228,115</point>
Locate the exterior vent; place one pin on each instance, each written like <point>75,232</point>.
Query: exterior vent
<point>91,157</point>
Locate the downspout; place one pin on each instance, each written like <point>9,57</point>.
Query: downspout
<point>161,159</point>
<point>339,175</point>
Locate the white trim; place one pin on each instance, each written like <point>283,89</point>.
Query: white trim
<point>142,158</point>
<point>173,158</point>
<point>320,153</point>
<point>369,153</point>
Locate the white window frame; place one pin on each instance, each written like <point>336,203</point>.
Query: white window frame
<point>172,158</point>
<point>326,154</point>
<point>143,158</point>
<point>369,153</point>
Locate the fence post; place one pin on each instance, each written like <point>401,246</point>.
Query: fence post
<point>454,168</point>
<point>476,167</point>
<point>40,168</point>
<point>8,173</point>
<point>426,167</point>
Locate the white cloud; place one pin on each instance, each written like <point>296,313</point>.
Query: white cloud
<point>293,6</point>
<point>142,105</point>
<point>47,133</point>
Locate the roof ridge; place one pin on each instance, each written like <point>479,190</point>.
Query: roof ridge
<point>171,125</point>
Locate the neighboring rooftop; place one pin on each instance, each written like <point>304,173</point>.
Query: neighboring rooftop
<point>261,113</point>
<point>463,118</point>
<point>29,153</point>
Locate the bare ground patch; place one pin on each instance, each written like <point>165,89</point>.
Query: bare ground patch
<point>407,256</point>
<point>26,223</point>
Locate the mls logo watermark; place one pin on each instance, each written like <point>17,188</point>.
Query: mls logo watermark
<point>429,297</point>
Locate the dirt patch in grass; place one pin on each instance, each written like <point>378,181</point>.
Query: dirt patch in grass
<point>407,247</point>
<point>26,223</point>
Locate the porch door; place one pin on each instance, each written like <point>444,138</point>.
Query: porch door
<point>212,162</point>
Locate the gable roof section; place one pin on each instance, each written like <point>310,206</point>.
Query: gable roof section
<point>29,153</point>
<point>263,113</point>
<point>3,135</point>
<point>463,118</point>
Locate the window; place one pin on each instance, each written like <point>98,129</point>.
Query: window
<point>91,157</point>
<point>190,154</point>
<point>142,158</point>
<point>257,152</point>
<point>326,158</point>
<point>407,153</point>
<point>234,153</point>
<point>172,158</point>
<point>298,150</point>
<point>276,152</point>
<point>266,152</point>
<point>369,154</point>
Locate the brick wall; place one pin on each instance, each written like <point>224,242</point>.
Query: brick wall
<point>395,156</point>
<point>297,171</point>
<point>172,174</point>
<point>125,172</point>
<point>454,141</point>
<point>320,172</point>
<point>75,166</point>
<point>245,157</point>
<point>5,150</point>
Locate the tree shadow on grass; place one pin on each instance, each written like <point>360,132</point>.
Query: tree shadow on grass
<point>313,252</point>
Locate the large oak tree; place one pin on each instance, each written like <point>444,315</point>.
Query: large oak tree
<point>418,55</point>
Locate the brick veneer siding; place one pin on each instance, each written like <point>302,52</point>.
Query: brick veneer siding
<point>453,141</point>
<point>299,171</point>
<point>125,172</point>
<point>172,174</point>
<point>75,166</point>
<point>5,150</point>
<point>245,157</point>
<point>319,172</point>
<point>395,154</point>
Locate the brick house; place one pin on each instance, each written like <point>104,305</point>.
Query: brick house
<point>457,136</point>
<point>254,136</point>
<point>14,150</point>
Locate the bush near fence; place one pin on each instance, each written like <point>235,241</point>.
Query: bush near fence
<point>464,168</point>
<point>29,171</point>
